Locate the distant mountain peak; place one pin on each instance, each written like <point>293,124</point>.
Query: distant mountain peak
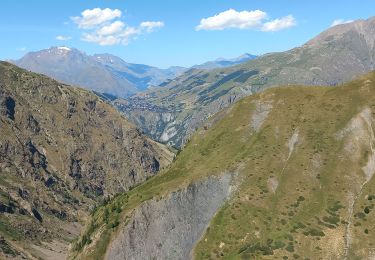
<point>64,48</point>
<point>244,57</point>
<point>104,73</point>
<point>220,59</point>
<point>366,28</point>
<point>54,51</point>
<point>61,49</point>
<point>223,62</point>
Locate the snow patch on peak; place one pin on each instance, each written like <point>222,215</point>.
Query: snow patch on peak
<point>64,48</point>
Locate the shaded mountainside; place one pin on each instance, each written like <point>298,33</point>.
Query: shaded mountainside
<point>103,73</point>
<point>283,174</point>
<point>62,151</point>
<point>173,112</point>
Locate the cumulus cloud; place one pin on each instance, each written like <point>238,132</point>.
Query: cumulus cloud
<point>63,38</point>
<point>232,19</point>
<point>102,40</point>
<point>112,28</point>
<point>103,26</point>
<point>150,26</point>
<point>122,37</point>
<point>340,21</point>
<point>257,20</point>
<point>92,17</point>
<point>279,24</point>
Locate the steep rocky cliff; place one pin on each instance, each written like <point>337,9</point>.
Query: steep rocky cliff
<point>303,159</point>
<point>337,55</point>
<point>62,151</point>
<point>169,228</point>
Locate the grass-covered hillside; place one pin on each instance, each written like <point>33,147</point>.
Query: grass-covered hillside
<point>301,161</point>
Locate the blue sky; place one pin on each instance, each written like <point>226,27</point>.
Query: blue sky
<point>170,32</point>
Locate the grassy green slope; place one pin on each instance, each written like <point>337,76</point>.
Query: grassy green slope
<point>304,157</point>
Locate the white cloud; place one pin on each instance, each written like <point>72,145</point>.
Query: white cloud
<point>22,49</point>
<point>340,21</point>
<point>232,19</point>
<point>100,39</point>
<point>279,24</point>
<point>122,37</point>
<point>150,26</point>
<point>93,17</point>
<point>256,19</point>
<point>129,32</point>
<point>104,27</point>
<point>113,28</point>
<point>63,38</point>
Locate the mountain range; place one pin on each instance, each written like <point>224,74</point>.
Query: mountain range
<point>223,63</point>
<point>105,73</point>
<point>174,111</point>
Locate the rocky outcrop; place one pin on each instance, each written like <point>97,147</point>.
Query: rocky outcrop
<point>170,125</point>
<point>169,228</point>
<point>7,107</point>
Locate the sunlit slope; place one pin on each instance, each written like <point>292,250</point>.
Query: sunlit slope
<point>301,162</point>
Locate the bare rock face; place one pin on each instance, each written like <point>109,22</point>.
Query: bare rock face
<point>7,107</point>
<point>169,228</point>
<point>62,150</point>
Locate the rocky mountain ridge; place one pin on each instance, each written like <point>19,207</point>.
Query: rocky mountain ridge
<point>104,73</point>
<point>223,63</point>
<point>63,150</point>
